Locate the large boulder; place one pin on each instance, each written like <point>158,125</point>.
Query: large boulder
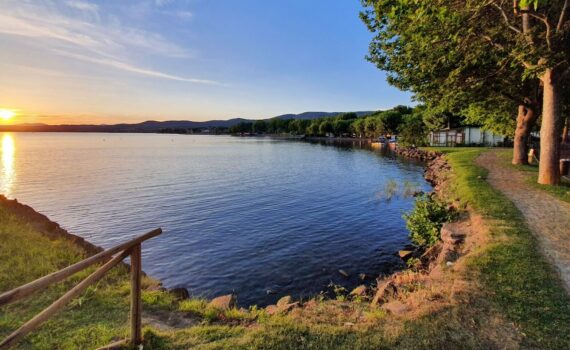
<point>223,302</point>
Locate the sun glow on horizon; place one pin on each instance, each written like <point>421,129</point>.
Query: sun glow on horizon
<point>7,114</point>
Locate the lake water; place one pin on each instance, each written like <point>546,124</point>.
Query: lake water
<point>243,215</point>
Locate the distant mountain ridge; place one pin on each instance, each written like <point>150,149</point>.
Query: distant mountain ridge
<point>154,126</point>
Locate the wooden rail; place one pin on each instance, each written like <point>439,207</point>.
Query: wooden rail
<point>111,258</point>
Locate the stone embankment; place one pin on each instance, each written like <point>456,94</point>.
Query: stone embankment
<point>427,266</point>
<point>416,153</point>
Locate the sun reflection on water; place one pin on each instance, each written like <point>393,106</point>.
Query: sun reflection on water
<point>7,172</point>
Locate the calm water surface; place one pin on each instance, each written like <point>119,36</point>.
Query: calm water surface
<point>240,215</point>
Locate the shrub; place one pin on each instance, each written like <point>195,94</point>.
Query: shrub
<point>425,220</point>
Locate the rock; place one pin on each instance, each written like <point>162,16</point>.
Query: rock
<point>286,300</point>
<point>280,309</point>
<point>180,293</point>
<point>288,307</point>
<point>223,302</point>
<point>431,255</point>
<point>449,264</point>
<point>396,307</point>
<point>156,288</point>
<point>359,291</point>
<point>451,235</point>
<point>405,254</point>
<point>344,273</point>
<point>311,304</point>
<point>384,290</point>
<point>272,309</point>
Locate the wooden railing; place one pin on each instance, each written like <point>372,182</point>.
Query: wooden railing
<point>110,257</point>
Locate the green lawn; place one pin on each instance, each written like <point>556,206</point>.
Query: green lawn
<point>516,289</point>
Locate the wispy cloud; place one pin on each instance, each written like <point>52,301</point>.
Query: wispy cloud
<point>75,29</point>
<point>83,6</point>
<point>134,69</point>
<point>184,14</point>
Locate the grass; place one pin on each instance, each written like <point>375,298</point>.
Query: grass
<point>519,302</point>
<point>96,318</point>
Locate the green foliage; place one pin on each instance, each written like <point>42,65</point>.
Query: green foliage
<point>412,132</point>
<point>387,122</point>
<point>425,220</point>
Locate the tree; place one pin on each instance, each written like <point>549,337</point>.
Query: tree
<point>540,45</point>
<point>313,128</point>
<point>326,126</point>
<point>412,132</point>
<point>348,116</point>
<point>259,126</point>
<point>358,127</point>
<point>373,126</point>
<point>341,126</point>
<point>299,126</point>
<point>449,54</point>
<point>431,49</point>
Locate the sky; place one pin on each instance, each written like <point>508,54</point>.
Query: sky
<point>110,61</point>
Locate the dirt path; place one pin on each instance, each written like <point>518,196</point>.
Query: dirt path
<point>547,216</point>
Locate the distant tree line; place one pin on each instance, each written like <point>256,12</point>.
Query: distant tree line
<point>404,121</point>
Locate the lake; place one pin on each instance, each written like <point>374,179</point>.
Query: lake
<point>259,217</point>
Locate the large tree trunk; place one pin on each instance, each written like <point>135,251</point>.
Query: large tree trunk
<point>525,121</point>
<point>549,169</point>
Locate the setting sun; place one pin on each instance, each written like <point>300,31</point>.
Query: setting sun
<point>6,114</point>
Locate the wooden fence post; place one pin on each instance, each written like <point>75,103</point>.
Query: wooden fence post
<point>136,303</point>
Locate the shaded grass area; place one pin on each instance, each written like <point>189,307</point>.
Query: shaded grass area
<point>516,286</point>
<point>562,191</point>
<point>93,319</point>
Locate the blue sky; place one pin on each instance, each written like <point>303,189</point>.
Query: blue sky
<point>77,61</point>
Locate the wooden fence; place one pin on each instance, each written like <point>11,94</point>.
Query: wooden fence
<point>110,258</point>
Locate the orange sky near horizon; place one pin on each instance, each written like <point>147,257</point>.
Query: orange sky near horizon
<point>23,117</point>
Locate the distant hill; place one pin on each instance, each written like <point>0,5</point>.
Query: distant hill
<point>316,115</point>
<point>155,126</point>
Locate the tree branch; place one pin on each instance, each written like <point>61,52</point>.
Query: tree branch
<point>506,18</point>
<point>546,22</point>
<point>501,47</point>
<point>562,15</point>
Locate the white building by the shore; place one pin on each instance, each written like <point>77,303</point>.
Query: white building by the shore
<point>466,136</point>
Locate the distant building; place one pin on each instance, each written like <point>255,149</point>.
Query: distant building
<point>467,136</point>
